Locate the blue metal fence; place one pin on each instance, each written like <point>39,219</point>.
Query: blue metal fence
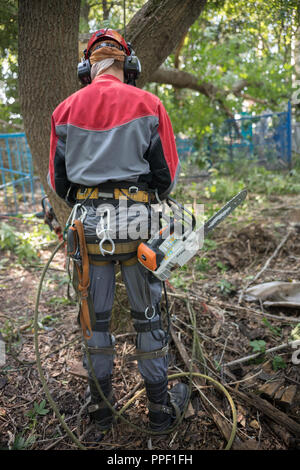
<point>265,139</point>
<point>185,147</point>
<point>19,185</point>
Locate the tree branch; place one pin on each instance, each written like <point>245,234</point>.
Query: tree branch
<point>181,79</point>
<point>12,124</point>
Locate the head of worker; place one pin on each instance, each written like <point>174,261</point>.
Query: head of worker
<point>107,50</point>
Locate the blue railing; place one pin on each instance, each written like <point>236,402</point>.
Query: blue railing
<point>18,183</point>
<point>265,139</point>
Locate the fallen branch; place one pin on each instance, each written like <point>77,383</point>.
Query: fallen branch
<point>264,314</point>
<point>253,356</point>
<point>129,394</point>
<point>12,124</point>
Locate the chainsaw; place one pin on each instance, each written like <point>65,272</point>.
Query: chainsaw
<point>178,241</point>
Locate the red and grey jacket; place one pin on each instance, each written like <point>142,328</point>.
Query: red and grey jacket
<point>110,131</point>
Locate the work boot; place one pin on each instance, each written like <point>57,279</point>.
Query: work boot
<point>166,407</point>
<point>100,414</point>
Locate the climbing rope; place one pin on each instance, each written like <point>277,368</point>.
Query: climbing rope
<point>117,414</point>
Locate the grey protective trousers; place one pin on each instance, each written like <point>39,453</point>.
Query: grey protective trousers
<point>141,294</point>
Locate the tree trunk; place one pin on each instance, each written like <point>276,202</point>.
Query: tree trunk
<point>48,57</point>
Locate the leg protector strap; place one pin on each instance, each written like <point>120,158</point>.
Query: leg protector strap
<point>149,326</point>
<point>109,351</point>
<point>102,326</point>
<point>148,314</point>
<point>147,355</point>
<point>102,315</point>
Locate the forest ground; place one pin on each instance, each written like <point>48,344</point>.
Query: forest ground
<point>227,328</point>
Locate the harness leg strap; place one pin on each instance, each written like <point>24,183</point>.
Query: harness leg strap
<point>102,321</point>
<point>142,325</point>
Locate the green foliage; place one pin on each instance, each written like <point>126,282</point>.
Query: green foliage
<point>232,45</point>
<point>18,243</point>
<point>202,264</point>
<point>221,266</point>
<point>20,443</point>
<point>38,409</point>
<point>276,330</point>
<point>9,103</point>
<point>209,245</point>
<point>35,413</point>
<point>25,245</point>
<point>278,363</point>
<point>60,301</point>
<point>225,287</point>
<point>48,320</point>
<point>258,346</point>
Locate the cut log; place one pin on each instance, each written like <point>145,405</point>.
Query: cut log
<point>288,396</point>
<point>280,432</point>
<point>225,429</point>
<point>269,410</point>
<point>269,389</point>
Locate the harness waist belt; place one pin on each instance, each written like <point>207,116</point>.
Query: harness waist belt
<point>112,192</point>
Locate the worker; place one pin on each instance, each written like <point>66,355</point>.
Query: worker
<point>111,143</point>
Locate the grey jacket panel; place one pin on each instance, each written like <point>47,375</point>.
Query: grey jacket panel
<point>94,157</point>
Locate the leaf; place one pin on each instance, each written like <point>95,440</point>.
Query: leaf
<point>40,409</point>
<point>259,345</point>
<point>278,363</point>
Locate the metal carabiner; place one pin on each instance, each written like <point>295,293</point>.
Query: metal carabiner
<point>83,215</point>
<point>104,251</point>
<point>105,231</point>
<point>153,312</point>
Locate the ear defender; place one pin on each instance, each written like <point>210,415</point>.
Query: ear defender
<point>132,68</point>
<point>84,70</point>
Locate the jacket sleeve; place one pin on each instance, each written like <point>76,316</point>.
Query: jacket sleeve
<point>57,175</point>
<point>162,155</point>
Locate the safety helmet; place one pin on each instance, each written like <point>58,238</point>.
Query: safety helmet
<point>132,66</point>
<point>103,34</point>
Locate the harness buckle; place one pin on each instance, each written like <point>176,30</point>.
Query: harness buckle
<point>133,190</point>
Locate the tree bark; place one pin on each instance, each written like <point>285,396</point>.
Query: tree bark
<point>48,57</point>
